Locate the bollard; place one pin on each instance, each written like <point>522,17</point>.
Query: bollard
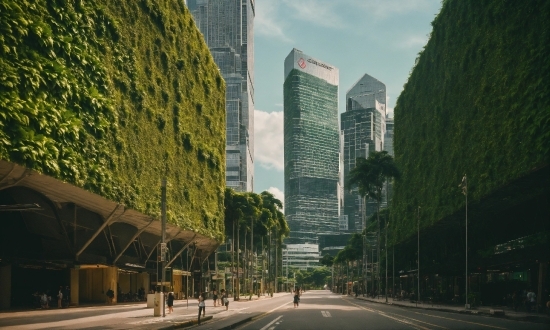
<point>157,309</point>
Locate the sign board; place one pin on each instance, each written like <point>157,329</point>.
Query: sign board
<point>163,250</point>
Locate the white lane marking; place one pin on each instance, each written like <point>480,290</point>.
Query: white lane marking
<point>326,313</point>
<point>274,309</point>
<point>458,320</point>
<point>270,323</point>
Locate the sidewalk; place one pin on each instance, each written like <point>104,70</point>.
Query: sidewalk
<point>133,315</point>
<point>498,311</point>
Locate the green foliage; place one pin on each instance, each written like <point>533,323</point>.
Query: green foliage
<point>261,212</point>
<point>327,260</point>
<point>370,174</point>
<point>102,94</point>
<point>476,102</point>
<point>353,250</point>
<point>313,279</point>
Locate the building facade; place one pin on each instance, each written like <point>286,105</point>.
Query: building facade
<point>311,142</point>
<point>301,256</point>
<point>362,127</point>
<point>228,29</point>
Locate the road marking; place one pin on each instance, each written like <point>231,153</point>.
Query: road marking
<point>448,318</point>
<point>415,326</point>
<point>270,323</point>
<point>326,313</point>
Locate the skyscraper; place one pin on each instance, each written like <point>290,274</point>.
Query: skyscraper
<point>363,126</point>
<point>228,28</point>
<point>311,140</point>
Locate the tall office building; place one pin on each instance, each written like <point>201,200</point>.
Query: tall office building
<point>362,126</point>
<point>311,140</point>
<point>228,29</point>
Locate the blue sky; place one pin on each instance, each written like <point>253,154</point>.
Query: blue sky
<point>378,37</point>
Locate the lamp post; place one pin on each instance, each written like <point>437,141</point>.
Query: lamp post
<point>386,248</point>
<point>163,241</point>
<point>464,186</point>
<point>364,241</point>
<point>418,258</point>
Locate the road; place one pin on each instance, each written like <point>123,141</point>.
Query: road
<point>324,310</point>
<point>317,310</point>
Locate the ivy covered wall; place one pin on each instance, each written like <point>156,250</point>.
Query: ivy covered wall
<point>112,96</point>
<point>477,102</point>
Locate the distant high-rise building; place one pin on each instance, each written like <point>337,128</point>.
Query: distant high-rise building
<point>362,126</point>
<point>228,29</point>
<point>388,146</point>
<point>311,140</point>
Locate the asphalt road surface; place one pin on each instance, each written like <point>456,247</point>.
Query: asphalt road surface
<point>317,310</point>
<point>324,310</point>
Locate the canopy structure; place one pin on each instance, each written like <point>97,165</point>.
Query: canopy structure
<point>47,219</point>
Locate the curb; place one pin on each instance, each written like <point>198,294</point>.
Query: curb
<point>241,322</point>
<point>186,323</point>
<point>527,318</point>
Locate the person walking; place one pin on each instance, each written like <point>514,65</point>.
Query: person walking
<point>531,300</point>
<point>296,298</point>
<point>170,302</point>
<point>202,307</point>
<point>225,299</point>
<point>60,297</point>
<point>215,296</point>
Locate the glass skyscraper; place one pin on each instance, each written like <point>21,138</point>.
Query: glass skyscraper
<point>311,142</point>
<point>228,29</point>
<point>362,127</point>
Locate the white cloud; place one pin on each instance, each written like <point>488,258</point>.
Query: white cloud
<point>266,23</point>
<point>319,12</point>
<point>268,139</point>
<point>278,194</point>
<point>385,8</point>
<point>416,42</point>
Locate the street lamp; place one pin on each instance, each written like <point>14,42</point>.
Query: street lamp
<point>418,258</point>
<point>464,186</point>
<point>386,248</point>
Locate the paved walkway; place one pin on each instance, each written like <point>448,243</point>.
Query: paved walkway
<point>498,311</point>
<point>123,315</point>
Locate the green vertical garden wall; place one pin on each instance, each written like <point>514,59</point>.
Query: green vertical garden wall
<point>477,102</point>
<point>112,96</point>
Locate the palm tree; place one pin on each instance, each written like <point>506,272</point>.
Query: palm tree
<point>369,175</point>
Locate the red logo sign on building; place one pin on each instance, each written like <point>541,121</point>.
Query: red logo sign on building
<point>302,63</point>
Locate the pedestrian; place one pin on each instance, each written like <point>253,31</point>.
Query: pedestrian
<point>215,296</point>
<point>202,307</point>
<point>170,302</point>
<point>44,301</point>
<point>225,299</point>
<point>296,298</point>
<point>531,296</point>
<point>111,295</point>
<point>60,297</point>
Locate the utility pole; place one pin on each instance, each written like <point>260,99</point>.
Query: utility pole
<point>418,257</point>
<point>386,242</point>
<point>364,241</point>
<point>464,186</point>
<point>163,242</point>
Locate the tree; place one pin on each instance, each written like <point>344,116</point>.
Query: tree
<point>369,176</point>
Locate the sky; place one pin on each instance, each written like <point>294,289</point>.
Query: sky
<point>378,37</point>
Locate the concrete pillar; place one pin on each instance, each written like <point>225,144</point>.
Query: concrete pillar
<point>75,290</point>
<point>5,287</point>
<point>110,279</point>
<point>144,281</point>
